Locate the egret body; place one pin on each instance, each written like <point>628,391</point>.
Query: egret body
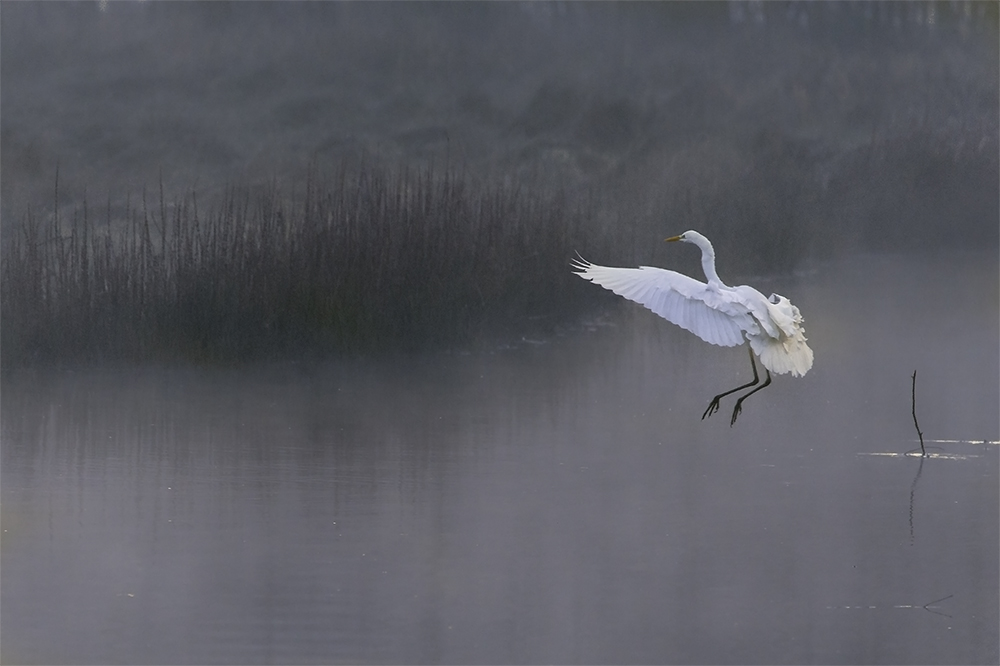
<point>716,313</point>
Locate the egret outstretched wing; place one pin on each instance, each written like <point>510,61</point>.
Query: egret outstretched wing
<point>711,314</point>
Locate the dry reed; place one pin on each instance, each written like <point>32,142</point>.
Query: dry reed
<point>368,260</point>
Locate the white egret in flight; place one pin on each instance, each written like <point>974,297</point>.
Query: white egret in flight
<point>716,313</point>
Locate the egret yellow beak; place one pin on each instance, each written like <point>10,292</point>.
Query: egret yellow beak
<point>672,239</point>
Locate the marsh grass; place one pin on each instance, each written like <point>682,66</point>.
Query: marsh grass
<point>369,259</point>
<point>373,259</point>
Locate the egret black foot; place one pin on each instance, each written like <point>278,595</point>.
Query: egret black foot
<point>713,407</point>
<point>736,412</point>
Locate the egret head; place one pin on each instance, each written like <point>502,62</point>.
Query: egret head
<point>690,236</point>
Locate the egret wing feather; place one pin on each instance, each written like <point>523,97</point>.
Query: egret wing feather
<point>758,307</point>
<point>787,352</point>
<point>709,313</point>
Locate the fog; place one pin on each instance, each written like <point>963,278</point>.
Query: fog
<point>540,486</point>
<point>550,503</point>
<point>827,121</point>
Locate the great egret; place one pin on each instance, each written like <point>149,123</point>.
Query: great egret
<point>716,313</point>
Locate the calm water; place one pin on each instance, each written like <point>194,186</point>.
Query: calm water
<point>557,502</point>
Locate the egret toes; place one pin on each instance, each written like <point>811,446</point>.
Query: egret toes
<point>713,407</point>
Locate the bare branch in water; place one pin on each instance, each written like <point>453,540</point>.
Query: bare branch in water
<point>913,409</point>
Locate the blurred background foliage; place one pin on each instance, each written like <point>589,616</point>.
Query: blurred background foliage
<point>785,131</point>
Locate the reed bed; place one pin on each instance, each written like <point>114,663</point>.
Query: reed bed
<point>369,259</point>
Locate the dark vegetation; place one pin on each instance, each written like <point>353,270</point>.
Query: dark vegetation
<point>786,132</point>
<point>365,261</point>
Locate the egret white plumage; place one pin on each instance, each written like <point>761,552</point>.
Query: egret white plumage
<point>716,313</point>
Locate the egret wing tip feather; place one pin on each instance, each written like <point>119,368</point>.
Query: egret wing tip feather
<point>579,263</point>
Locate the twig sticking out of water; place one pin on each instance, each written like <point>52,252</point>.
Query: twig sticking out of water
<point>913,409</point>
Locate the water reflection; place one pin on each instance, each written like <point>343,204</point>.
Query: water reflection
<point>554,503</point>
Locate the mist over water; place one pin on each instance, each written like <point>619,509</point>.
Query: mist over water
<point>549,497</point>
<point>560,502</point>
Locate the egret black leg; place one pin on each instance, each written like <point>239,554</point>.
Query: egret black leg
<point>739,403</point>
<point>713,406</point>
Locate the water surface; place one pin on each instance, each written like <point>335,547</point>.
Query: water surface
<point>559,501</point>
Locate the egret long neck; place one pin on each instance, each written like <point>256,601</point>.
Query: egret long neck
<point>708,264</point>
